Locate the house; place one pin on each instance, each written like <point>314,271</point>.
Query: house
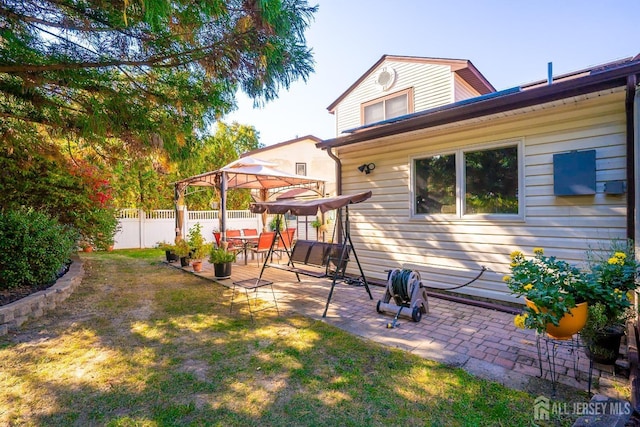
<point>463,175</point>
<point>399,85</point>
<point>301,157</point>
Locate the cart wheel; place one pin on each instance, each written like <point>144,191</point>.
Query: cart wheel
<point>378,307</point>
<point>416,314</point>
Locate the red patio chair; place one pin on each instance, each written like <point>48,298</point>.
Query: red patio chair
<point>287,238</point>
<point>264,243</point>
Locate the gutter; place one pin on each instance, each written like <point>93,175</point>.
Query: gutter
<point>629,105</point>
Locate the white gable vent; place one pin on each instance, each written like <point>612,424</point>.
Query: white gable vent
<point>385,78</point>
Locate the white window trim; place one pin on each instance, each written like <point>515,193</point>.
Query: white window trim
<point>409,92</point>
<point>460,180</point>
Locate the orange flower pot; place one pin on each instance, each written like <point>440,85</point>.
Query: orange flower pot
<point>570,324</point>
<point>197,266</point>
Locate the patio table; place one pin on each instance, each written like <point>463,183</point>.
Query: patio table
<point>246,241</point>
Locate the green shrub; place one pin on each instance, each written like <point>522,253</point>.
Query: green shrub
<point>33,247</point>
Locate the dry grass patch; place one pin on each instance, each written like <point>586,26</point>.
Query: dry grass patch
<point>141,344</point>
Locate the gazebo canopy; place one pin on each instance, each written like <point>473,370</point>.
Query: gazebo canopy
<point>247,172</point>
<point>252,173</point>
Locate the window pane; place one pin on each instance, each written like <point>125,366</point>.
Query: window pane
<point>435,184</point>
<point>373,113</point>
<point>396,107</point>
<point>491,183</point>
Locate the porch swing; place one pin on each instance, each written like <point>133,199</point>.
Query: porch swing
<point>319,259</point>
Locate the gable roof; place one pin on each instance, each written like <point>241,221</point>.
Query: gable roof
<point>602,77</point>
<point>281,144</point>
<point>462,67</point>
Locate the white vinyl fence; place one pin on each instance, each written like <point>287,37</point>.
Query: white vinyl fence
<point>140,229</point>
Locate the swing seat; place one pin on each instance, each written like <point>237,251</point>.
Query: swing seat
<point>320,259</point>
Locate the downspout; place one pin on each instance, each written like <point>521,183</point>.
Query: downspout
<point>338,171</point>
<point>630,103</point>
<point>338,191</point>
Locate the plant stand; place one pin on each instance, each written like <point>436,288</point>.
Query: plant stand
<point>548,349</point>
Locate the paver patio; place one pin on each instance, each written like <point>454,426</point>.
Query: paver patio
<point>482,341</point>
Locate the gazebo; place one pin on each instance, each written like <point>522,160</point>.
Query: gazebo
<point>261,177</point>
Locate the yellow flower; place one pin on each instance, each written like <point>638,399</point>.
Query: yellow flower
<point>506,278</point>
<point>528,287</point>
<point>620,255</point>
<point>538,251</point>
<point>515,254</point>
<point>519,320</point>
<point>615,261</point>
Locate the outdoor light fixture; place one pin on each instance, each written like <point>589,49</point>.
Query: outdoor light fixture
<point>367,168</point>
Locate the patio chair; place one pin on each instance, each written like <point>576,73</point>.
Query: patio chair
<point>235,244</point>
<point>288,238</point>
<point>264,243</point>
<point>250,232</point>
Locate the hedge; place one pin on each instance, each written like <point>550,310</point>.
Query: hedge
<point>33,248</point>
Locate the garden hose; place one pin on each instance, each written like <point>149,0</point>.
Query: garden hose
<point>400,282</point>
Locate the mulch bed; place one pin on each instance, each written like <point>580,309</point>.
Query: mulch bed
<point>7,296</point>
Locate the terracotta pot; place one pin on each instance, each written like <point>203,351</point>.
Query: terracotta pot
<point>197,266</point>
<point>570,324</point>
<point>87,249</point>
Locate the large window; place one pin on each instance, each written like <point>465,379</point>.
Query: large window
<point>394,105</point>
<point>468,182</point>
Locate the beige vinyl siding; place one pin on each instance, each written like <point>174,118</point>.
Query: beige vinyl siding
<point>319,164</point>
<point>432,85</point>
<point>462,89</point>
<point>449,252</point>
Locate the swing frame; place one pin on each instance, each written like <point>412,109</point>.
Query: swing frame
<point>345,245</point>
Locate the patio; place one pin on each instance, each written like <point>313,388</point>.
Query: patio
<point>482,341</point>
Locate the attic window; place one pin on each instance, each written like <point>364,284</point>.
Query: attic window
<point>394,105</point>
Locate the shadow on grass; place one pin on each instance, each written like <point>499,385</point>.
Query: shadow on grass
<point>143,344</point>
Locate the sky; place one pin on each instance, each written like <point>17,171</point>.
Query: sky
<point>509,41</point>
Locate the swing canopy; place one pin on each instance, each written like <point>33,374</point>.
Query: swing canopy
<point>308,207</point>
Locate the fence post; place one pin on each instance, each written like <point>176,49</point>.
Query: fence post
<point>141,229</point>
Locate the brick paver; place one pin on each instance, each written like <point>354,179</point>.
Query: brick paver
<point>485,342</point>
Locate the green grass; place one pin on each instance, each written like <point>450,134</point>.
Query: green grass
<point>142,344</point>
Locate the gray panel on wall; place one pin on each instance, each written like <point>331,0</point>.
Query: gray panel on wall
<point>574,174</point>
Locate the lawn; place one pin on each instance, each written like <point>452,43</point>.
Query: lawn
<point>142,344</point>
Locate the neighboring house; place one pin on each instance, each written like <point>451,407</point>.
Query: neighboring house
<point>460,183</point>
<point>300,156</point>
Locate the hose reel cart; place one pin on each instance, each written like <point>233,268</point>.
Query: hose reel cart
<point>405,294</point>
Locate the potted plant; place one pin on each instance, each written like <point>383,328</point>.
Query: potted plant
<point>196,243</point>
<point>169,251</point>
<point>317,224</point>
<point>276,222</point>
<point>615,273</point>
<point>182,251</point>
<point>556,294</point>
<point>86,245</point>
<point>198,254</point>
<point>222,261</point>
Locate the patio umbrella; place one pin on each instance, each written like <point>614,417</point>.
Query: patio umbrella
<point>252,173</point>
